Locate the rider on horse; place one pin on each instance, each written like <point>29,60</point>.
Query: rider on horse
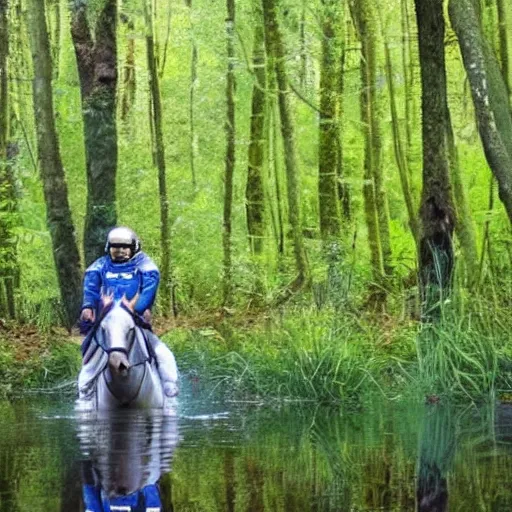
<point>126,271</point>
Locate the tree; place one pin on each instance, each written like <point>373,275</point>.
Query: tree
<point>129,79</point>
<point>489,95</point>
<point>398,146</point>
<point>230,149</point>
<point>329,203</point>
<point>8,256</point>
<point>436,210</point>
<point>376,207</point>
<point>254,191</point>
<point>275,50</point>
<point>96,59</point>
<point>159,152</point>
<point>503,36</point>
<point>58,213</point>
<point>194,58</point>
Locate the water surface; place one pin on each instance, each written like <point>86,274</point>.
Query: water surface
<point>237,457</point>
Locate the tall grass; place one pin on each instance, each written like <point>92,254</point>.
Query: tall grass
<point>462,356</point>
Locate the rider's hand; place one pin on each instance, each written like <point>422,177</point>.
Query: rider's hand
<point>146,316</point>
<point>87,315</point>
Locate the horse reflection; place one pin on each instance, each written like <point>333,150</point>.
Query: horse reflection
<point>126,454</point>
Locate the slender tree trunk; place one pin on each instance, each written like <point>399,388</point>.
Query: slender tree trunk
<point>341,170</point>
<point>159,152</point>
<point>504,54</point>
<point>58,213</point>
<point>230,151</point>
<point>129,81</point>
<point>193,85</point>
<point>398,146</point>
<point>8,204</point>
<point>275,49</point>
<point>329,204</point>
<point>489,96</point>
<point>97,71</point>
<point>274,167</point>
<point>376,209</point>
<point>408,84</point>
<point>436,211</point>
<point>303,47</point>
<point>464,227</point>
<point>254,191</point>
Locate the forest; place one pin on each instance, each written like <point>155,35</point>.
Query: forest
<point>326,186</point>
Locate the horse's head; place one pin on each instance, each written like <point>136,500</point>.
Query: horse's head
<point>118,333</point>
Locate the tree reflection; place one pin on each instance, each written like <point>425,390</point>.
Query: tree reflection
<point>437,447</point>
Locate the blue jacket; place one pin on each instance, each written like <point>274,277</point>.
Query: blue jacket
<point>147,498</point>
<point>139,274</point>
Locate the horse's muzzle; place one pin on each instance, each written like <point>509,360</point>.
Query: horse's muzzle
<point>118,363</point>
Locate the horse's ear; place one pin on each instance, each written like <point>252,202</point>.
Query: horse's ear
<point>106,299</point>
<point>130,304</point>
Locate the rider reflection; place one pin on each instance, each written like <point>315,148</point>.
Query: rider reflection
<point>128,454</point>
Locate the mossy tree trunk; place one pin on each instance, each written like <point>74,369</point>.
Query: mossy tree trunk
<point>276,50</point>
<point>464,227</point>
<point>159,152</point>
<point>97,70</point>
<point>436,210</point>
<point>9,269</point>
<point>254,191</point>
<point>503,37</point>
<point>408,77</point>
<point>129,77</point>
<point>328,152</point>
<point>375,203</point>
<point>58,213</point>
<point>489,94</point>
<point>400,149</point>
<point>230,152</point>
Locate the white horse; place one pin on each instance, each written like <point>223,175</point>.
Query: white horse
<point>119,365</point>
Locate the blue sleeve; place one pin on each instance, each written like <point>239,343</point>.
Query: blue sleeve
<point>150,278</point>
<point>92,285</point>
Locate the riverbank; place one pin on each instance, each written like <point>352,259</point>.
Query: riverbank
<point>325,356</point>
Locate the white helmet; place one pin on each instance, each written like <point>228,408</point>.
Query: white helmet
<point>122,236</point>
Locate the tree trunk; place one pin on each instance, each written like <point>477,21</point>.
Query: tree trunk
<point>97,71</point>
<point>58,213</point>
<point>376,209</point>
<point>436,211</point>
<point>408,76</point>
<point>129,81</point>
<point>464,227</point>
<point>275,49</point>
<point>504,57</point>
<point>489,96</point>
<point>193,85</point>
<point>159,152</point>
<point>341,170</point>
<point>398,146</point>
<point>8,204</point>
<point>329,204</point>
<point>230,151</point>
<point>254,191</point>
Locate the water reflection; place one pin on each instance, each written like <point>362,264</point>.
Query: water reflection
<point>258,459</point>
<point>126,454</point>
<point>436,451</point>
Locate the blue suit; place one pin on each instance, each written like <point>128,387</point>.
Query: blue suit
<point>139,274</point>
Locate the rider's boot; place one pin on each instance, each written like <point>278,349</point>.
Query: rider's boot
<point>166,366</point>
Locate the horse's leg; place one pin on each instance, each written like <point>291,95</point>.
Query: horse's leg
<point>166,365</point>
